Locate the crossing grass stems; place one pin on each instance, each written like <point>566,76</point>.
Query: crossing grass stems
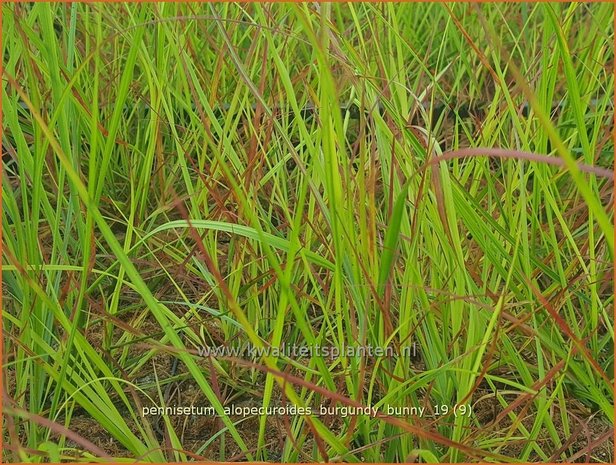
<point>164,189</point>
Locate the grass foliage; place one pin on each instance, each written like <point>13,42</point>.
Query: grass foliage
<point>186,175</point>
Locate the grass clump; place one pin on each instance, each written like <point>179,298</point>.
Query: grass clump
<point>252,207</point>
